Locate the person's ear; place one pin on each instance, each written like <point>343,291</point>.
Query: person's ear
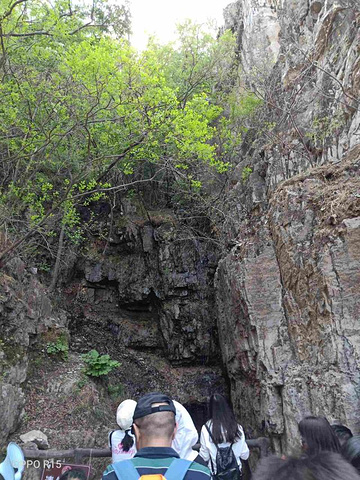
<point>136,431</point>
<point>175,430</point>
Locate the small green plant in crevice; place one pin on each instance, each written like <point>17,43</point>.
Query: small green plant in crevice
<point>131,193</point>
<point>25,418</point>
<point>98,365</point>
<point>245,174</point>
<point>115,391</point>
<point>59,348</point>
<point>325,127</point>
<point>81,383</point>
<point>100,414</point>
<point>44,267</point>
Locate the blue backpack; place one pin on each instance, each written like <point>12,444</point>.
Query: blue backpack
<point>126,470</point>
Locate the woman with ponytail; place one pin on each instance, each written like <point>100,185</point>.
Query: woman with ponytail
<point>122,442</point>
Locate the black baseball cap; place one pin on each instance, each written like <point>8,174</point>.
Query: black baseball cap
<point>144,405</point>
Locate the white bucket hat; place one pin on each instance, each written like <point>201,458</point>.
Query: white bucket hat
<point>124,414</point>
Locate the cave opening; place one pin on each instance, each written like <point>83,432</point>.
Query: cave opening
<point>198,412</point>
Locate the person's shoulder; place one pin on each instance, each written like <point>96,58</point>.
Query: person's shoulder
<point>207,424</point>
<point>207,428</point>
<point>108,472</point>
<point>117,434</point>
<point>197,471</point>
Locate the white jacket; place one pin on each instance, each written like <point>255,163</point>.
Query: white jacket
<point>186,435</point>
<point>208,448</point>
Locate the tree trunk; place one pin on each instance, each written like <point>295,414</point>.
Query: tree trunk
<point>58,258</point>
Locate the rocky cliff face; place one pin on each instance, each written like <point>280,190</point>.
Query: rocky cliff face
<point>145,296</point>
<point>283,298</point>
<point>153,287</point>
<point>25,313</point>
<point>289,286</point>
<point>257,27</point>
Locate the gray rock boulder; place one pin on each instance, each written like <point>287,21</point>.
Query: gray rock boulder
<point>36,437</point>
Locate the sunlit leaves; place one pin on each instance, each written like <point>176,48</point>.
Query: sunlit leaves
<point>79,105</point>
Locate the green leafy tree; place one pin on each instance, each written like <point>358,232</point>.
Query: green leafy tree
<point>83,115</point>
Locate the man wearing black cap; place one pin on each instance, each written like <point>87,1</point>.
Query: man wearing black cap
<point>154,428</point>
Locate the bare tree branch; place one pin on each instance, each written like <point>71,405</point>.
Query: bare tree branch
<point>121,156</point>
<point>30,34</point>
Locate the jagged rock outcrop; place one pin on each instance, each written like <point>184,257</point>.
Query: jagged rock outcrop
<point>25,313</point>
<point>145,296</point>
<point>153,287</point>
<point>289,286</point>
<point>290,291</point>
<point>257,28</point>
<point>312,91</point>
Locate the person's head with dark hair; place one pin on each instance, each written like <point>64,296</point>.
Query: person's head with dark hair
<point>351,451</point>
<point>323,466</point>
<point>154,421</point>
<point>76,474</point>
<point>223,420</point>
<point>73,474</point>
<point>343,433</point>
<point>317,435</point>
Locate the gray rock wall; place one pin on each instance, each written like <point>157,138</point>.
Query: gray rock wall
<point>289,285</point>
<point>291,294</point>
<point>257,27</point>
<point>154,288</point>
<point>25,313</point>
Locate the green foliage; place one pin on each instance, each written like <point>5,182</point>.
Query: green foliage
<point>81,383</point>
<point>59,348</point>
<point>25,418</point>
<point>115,391</point>
<point>131,193</point>
<point>44,267</point>
<point>98,365</point>
<point>80,106</point>
<point>245,174</point>
<point>324,127</point>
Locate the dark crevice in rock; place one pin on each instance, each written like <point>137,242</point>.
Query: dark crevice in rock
<point>199,413</point>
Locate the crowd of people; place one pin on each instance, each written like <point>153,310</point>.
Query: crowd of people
<point>329,452</point>
<point>157,436</point>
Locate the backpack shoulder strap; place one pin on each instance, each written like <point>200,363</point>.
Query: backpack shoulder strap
<point>110,437</point>
<point>125,470</point>
<point>216,445</point>
<point>211,436</point>
<point>177,469</point>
